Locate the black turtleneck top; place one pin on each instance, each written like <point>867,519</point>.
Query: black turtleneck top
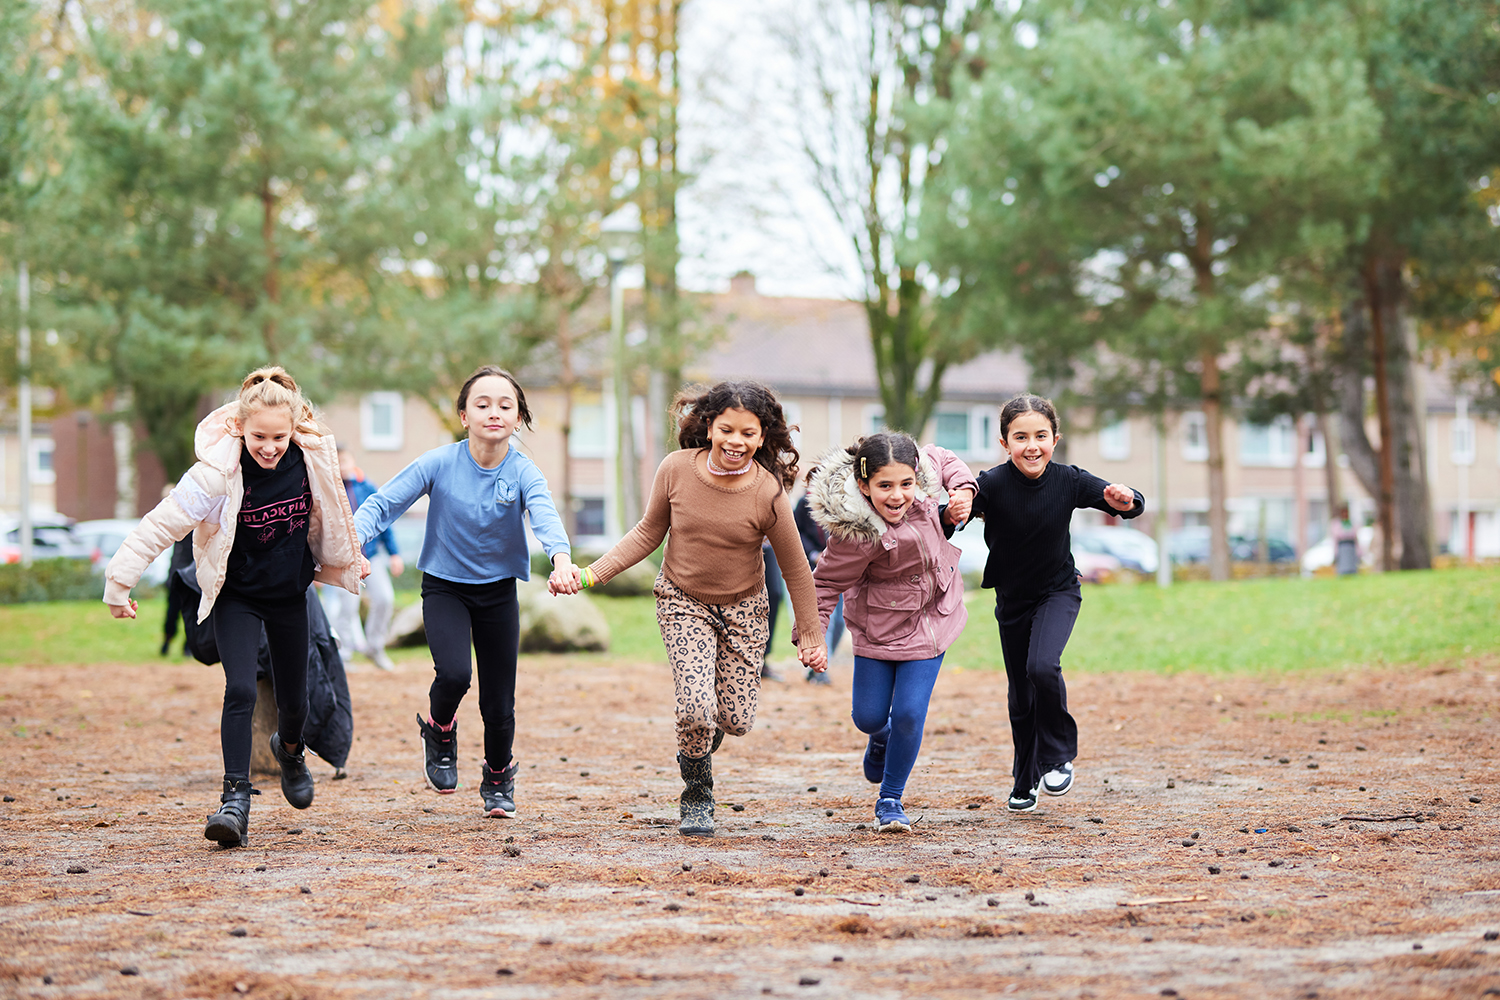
<point>1026,526</point>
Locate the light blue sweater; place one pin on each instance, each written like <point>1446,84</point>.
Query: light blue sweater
<point>474,529</point>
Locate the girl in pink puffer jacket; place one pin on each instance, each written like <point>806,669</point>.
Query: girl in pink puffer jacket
<point>268,514</point>
<point>889,556</point>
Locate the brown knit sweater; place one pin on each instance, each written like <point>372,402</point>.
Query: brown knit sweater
<point>714,550</point>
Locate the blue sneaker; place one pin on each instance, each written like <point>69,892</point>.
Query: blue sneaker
<point>875,756</point>
<point>890,817</point>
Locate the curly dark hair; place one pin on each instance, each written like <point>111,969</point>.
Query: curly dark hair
<point>874,452</point>
<point>696,407</point>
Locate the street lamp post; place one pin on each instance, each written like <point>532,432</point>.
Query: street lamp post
<point>617,237</point>
<point>23,362</point>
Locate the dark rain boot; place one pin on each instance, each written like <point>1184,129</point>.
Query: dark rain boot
<point>230,826</point>
<point>697,806</point>
<point>296,780</point>
<point>497,789</point>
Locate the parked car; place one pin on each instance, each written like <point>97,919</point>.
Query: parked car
<point>1136,550</point>
<point>106,537</point>
<point>52,537</point>
<point>1190,545</point>
<point>1242,549</point>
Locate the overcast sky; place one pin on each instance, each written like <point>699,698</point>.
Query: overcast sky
<point>751,205</point>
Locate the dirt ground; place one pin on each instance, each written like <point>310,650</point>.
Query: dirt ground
<point>1209,849</point>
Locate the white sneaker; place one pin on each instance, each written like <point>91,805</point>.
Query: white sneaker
<point>378,657</point>
<point>1058,780</point>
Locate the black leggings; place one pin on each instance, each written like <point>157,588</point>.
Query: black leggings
<point>454,614</point>
<point>237,629</point>
<point>1032,637</point>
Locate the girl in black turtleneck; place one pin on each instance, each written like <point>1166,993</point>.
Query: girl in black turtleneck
<point>1027,504</point>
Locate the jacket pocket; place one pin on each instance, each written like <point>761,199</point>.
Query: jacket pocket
<point>893,609</point>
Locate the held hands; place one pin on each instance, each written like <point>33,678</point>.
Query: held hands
<point>1119,497</point>
<point>960,505</point>
<point>364,566</point>
<point>123,610</point>
<point>566,578</point>
<point>815,657</point>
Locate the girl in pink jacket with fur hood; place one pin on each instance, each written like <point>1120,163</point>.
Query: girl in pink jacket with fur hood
<point>889,555</point>
<point>269,514</point>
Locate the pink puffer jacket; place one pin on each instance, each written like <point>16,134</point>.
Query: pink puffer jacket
<point>206,501</point>
<point>903,594</point>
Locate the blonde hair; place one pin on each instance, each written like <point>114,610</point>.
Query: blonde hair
<point>270,387</point>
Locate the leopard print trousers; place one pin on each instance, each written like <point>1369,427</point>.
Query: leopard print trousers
<point>716,652</point>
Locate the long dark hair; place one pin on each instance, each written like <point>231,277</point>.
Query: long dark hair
<point>1026,403</point>
<point>485,370</point>
<point>696,408</point>
<point>874,452</point>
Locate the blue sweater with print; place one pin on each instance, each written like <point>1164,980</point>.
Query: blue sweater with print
<point>475,532</point>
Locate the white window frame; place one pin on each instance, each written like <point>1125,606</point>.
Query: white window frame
<point>1194,451</point>
<point>1114,441</point>
<point>1316,455</point>
<point>984,432</point>
<point>954,411</point>
<point>1461,440</point>
<point>1281,444</point>
<point>579,447</point>
<point>791,412</point>
<point>872,419</point>
<point>39,475</point>
<point>371,439</point>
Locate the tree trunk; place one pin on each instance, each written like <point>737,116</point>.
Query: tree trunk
<point>1331,451</point>
<point>565,351</point>
<point>1218,508</point>
<point>1213,405</point>
<point>1375,289</point>
<point>1408,415</point>
<point>1353,358</point>
<point>273,281</point>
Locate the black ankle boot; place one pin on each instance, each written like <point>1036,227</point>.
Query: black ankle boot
<point>497,789</point>
<point>296,782</point>
<point>230,826</point>
<point>697,804</point>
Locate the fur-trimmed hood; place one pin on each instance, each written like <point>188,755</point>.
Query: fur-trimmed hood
<point>835,502</point>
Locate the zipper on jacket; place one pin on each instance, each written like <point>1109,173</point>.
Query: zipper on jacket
<point>927,572</point>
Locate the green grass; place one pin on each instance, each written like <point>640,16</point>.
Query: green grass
<point>1272,625</point>
<point>1250,626</point>
<point>80,632</point>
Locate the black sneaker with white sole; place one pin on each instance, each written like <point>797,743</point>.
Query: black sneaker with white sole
<point>440,756</point>
<point>1022,800</point>
<point>1058,780</point>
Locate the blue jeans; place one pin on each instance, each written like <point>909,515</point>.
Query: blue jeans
<point>891,696</point>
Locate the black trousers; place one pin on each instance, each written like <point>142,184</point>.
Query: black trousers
<point>237,629</point>
<point>1032,637</point>
<point>488,616</point>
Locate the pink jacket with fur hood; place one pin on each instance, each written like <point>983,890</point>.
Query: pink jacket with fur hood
<point>206,501</point>
<point>903,594</point>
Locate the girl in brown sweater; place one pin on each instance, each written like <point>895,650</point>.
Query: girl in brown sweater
<point>718,496</point>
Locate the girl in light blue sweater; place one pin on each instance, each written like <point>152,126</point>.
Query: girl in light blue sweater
<point>473,552</point>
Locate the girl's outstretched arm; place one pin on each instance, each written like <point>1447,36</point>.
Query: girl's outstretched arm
<point>1112,498</point>
<point>190,503</point>
<point>381,508</point>
<point>642,540</point>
